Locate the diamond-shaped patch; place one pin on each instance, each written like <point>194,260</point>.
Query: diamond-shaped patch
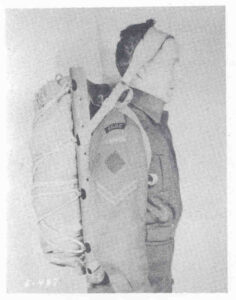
<point>114,162</point>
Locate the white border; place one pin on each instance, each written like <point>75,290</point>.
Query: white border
<point>231,126</point>
<point>108,3</point>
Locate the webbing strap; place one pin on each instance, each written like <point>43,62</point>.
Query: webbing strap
<point>147,147</point>
<point>107,105</point>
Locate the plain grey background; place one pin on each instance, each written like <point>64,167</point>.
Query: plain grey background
<point>44,42</point>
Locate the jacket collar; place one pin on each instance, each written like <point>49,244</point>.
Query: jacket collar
<point>150,105</point>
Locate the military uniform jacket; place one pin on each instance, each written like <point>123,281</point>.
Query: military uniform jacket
<point>164,206</point>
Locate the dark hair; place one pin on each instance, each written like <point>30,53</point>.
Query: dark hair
<point>129,39</point>
<point>98,93</point>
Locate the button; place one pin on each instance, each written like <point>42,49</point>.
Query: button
<point>152,179</point>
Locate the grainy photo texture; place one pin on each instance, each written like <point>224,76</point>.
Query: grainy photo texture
<point>116,122</point>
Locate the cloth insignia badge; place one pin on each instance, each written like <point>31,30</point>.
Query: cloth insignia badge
<point>114,162</point>
<point>114,126</point>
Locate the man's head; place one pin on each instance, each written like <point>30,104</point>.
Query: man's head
<point>155,76</point>
<point>129,39</point>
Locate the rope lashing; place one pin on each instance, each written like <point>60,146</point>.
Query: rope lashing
<point>52,195</point>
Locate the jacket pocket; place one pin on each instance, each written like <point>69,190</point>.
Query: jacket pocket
<point>159,256</point>
<point>159,233</point>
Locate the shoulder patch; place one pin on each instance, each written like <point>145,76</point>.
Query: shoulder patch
<point>114,126</point>
<point>114,162</point>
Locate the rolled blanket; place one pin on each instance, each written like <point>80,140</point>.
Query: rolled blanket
<point>55,184</point>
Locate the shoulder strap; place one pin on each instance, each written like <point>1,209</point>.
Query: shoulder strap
<point>128,112</point>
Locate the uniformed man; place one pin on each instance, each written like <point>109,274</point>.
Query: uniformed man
<point>152,88</point>
<point>132,238</point>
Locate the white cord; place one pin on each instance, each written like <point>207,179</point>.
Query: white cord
<point>49,189</point>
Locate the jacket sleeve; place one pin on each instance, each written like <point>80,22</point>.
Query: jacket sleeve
<point>119,170</point>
